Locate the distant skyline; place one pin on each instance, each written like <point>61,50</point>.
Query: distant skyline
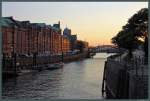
<point>94,22</point>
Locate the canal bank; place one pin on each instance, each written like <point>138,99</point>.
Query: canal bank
<point>125,79</point>
<point>80,79</point>
<point>23,65</point>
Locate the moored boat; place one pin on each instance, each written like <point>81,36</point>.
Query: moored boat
<point>55,66</point>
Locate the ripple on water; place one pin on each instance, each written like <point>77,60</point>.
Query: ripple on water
<point>76,80</point>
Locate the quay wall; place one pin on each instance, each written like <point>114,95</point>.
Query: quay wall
<point>115,80</point>
<point>138,84</point>
<point>121,82</point>
<point>31,62</point>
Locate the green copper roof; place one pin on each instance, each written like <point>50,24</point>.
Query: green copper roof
<point>7,22</point>
<point>39,24</point>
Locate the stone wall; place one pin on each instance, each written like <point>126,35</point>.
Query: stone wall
<point>121,82</point>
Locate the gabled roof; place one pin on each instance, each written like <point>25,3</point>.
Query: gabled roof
<point>25,23</point>
<point>48,26</point>
<point>18,23</point>
<point>55,29</point>
<point>8,22</point>
<point>41,25</point>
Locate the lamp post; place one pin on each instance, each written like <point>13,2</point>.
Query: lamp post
<point>37,39</point>
<point>13,54</point>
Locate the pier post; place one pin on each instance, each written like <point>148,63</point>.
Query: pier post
<point>104,78</point>
<point>14,63</point>
<point>4,61</point>
<point>34,61</point>
<point>62,57</point>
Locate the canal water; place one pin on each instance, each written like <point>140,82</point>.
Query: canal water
<point>76,80</point>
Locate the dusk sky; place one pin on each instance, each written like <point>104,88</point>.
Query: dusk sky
<point>95,22</point>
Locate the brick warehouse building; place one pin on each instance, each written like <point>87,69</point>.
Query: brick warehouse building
<point>66,44</point>
<point>23,37</point>
<point>14,37</point>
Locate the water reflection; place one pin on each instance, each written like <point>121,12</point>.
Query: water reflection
<point>77,80</point>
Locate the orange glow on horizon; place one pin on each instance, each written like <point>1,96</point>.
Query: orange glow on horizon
<point>94,22</point>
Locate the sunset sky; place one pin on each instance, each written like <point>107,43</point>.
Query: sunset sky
<point>95,22</point>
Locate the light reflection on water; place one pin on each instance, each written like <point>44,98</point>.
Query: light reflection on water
<point>76,80</point>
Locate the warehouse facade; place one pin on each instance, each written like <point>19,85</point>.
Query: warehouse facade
<point>25,38</point>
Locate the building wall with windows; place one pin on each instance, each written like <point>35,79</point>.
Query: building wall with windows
<point>65,45</point>
<point>23,37</point>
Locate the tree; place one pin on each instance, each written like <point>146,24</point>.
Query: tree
<point>80,46</point>
<point>134,33</point>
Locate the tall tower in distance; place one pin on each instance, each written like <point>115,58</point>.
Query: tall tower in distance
<point>67,32</point>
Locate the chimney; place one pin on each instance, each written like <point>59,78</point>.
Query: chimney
<point>59,24</point>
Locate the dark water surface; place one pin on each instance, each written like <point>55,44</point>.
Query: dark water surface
<point>76,80</point>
